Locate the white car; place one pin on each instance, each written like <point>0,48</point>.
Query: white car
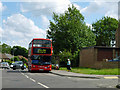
<point>4,65</point>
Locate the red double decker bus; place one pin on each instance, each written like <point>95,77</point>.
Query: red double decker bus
<point>39,55</point>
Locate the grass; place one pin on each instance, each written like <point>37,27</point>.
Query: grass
<point>93,71</point>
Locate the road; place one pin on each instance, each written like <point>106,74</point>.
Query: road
<point>24,79</point>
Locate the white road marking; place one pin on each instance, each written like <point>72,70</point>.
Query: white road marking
<point>35,81</point>
<point>26,76</point>
<point>22,73</point>
<point>32,80</point>
<point>43,85</point>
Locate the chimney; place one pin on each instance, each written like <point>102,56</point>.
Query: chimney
<point>117,36</point>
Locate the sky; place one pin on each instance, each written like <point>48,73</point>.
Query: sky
<point>23,20</point>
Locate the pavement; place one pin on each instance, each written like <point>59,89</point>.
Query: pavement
<point>71,74</point>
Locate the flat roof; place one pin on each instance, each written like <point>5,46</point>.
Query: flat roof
<point>102,47</point>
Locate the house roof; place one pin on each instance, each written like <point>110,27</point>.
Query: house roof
<point>22,57</point>
<point>5,56</point>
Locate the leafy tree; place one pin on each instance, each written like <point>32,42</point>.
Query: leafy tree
<point>18,50</point>
<point>104,29</point>
<point>69,31</point>
<point>6,48</point>
<point>64,56</point>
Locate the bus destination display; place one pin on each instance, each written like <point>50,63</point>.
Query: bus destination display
<point>41,51</point>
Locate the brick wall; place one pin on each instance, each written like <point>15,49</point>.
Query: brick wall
<point>86,58</point>
<point>104,54</point>
<point>96,58</point>
<point>117,37</point>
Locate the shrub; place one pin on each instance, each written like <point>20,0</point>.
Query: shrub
<point>15,58</point>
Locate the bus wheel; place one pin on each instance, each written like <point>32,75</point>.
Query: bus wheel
<point>28,70</point>
<point>31,71</point>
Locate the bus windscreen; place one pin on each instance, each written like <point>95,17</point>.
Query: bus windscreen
<point>41,60</point>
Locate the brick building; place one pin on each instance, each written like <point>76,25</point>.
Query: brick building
<point>95,57</point>
<point>117,36</point>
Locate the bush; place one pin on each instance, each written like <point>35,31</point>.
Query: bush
<point>9,61</point>
<point>64,56</point>
<point>73,57</point>
<point>16,58</point>
<point>75,61</point>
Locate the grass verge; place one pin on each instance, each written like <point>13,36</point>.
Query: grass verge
<point>93,71</point>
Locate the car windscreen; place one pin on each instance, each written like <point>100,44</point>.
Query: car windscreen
<point>117,58</point>
<point>18,63</point>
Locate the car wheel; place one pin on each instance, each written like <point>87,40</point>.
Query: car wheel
<point>14,68</point>
<point>22,68</point>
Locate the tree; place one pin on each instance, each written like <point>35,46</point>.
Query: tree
<point>69,31</point>
<point>6,48</point>
<point>18,50</point>
<point>104,29</point>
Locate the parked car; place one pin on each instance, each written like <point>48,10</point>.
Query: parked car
<point>115,59</point>
<point>18,65</point>
<point>55,66</point>
<point>4,65</point>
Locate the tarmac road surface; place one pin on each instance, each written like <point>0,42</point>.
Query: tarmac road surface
<point>24,79</point>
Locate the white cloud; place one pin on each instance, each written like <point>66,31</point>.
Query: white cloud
<point>1,31</point>
<point>46,8</point>
<point>2,7</point>
<point>19,30</point>
<point>108,8</point>
<point>45,21</point>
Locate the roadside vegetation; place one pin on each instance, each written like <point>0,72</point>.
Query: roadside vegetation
<point>70,33</point>
<point>114,71</point>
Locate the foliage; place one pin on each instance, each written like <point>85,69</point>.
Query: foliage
<point>104,29</point>
<point>5,48</point>
<point>75,60</point>
<point>18,50</point>
<point>9,61</point>
<point>64,56</point>
<point>69,31</point>
<point>15,58</point>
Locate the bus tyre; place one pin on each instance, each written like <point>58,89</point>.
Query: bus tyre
<point>28,70</point>
<point>31,71</point>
